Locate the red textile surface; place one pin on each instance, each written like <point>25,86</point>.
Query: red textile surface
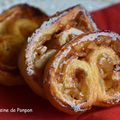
<point>23,97</point>
<point>108,18</point>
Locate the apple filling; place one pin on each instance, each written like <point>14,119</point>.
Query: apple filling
<point>45,52</point>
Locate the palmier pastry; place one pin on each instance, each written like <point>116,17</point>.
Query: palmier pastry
<point>48,39</point>
<point>85,73</point>
<point>16,24</point>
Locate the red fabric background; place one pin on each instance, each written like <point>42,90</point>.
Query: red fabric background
<point>108,18</point>
<point>23,97</point>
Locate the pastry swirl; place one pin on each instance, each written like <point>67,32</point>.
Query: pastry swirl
<point>48,39</point>
<point>85,73</point>
<point>16,24</point>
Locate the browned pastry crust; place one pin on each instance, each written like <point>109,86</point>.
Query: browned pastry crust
<point>85,73</point>
<point>16,24</point>
<point>48,39</point>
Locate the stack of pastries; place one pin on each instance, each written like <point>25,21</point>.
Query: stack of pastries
<point>64,58</point>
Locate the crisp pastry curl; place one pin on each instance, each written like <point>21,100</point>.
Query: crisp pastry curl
<point>16,24</point>
<point>85,73</point>
<point>48,39</point>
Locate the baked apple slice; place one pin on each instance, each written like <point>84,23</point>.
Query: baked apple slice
<point>16,24</point>
<point>48,39</point>
<point>85,73</point>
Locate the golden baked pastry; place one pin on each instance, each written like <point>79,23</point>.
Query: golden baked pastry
<point>16,24</point>
<point>85,73</point>
<point>48,39</point>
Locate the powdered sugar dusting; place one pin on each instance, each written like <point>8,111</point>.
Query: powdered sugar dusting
<point>33,42</point>
<point>93,36</point>
<point>30,54</point>
<point>77,108</point>
<point>115,99</point>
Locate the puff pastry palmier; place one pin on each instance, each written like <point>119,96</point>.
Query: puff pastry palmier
<point>85,73</point>
<point>16,24</point>
<point>48,39</point>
